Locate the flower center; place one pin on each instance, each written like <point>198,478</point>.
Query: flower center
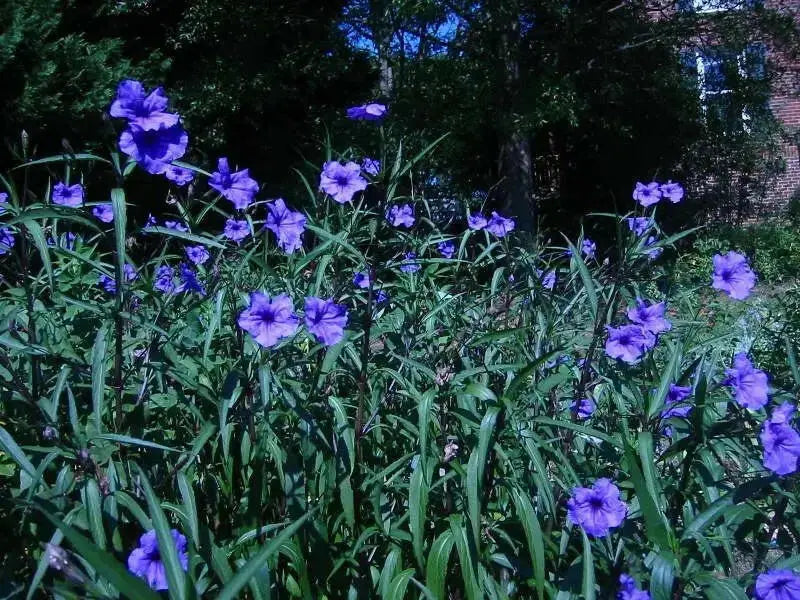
<point>596,502</point>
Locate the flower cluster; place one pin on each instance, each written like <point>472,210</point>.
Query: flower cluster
<point>270,320</point>
<point>651,193</point>
<point>629,342</point>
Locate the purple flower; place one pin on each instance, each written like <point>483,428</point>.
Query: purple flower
<point>548,279</point>
<point>197,254</point>
<point>238,187</point>
<point>146,111</point>
<point>583,408</point>
<point>638,225</point>
<point>778,584</point>
<point>655,252</point>
<point>178,175</point>
<point>588,247</point>
<point>151,221</point>
<point>409,265</point>
<point>268,321</point>
<point>446,249</point>
<point>104,212</point>
<point>371,166</point>
<point>381,297</point>
<point>69,240</point>
<point>628,589</point>
<point>733,275</point>
<point>340,181</point>
<point>236,230</point>
<point>325,320</point>
<point>107,283</point>
<point>154,149</point>
<point>367,112</point>
<point>749,383</point>
<point>672,191</point>
<point>68,195</point>
<point>628,342</point>
<point>650,317</point>
<point>781,441</point>
<point>675,396</point>
<point>476,221</point>
<point>288,225</point>
<point>499,225</point>
<point>164,280</point>
<point>361,280</point>
<point>189,281</point>
<point>7,240</point>
<point>129,271</point>
<point>401,215</point>
<point>176,225</point>
<point>597,509</point>
<point>3,202</point>
<point>647,195</point>
<point>145,561</point>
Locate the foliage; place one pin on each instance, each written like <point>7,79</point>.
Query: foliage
<point>429,454</point>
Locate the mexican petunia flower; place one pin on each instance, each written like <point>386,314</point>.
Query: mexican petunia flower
<point>629,591</point>
<point>236,230</point>
<point>597,509</point>
<point>325,320</point>
<point>371,166</point>
<point>178,175</point>
<point>673,406</point>
<point>778,584</point>
<point>649,317</point>
<point>653,253</point>
<point>647,195</point>
<point>588,247</point>
<point>154,149</point>
<point>583,408</point>
<point>781,441</point>
<point>145,561</point>
<point>672,191</point>
<point>107,283</point>
<point>371,111</point>
<point>381,297</point>
<point>476,221</point>
<point>65,195</point>
<point>401,215</point>
<point>268,321</point>
<point>176,226</point>
<point>749,384</point>
<point>499,225</point>
<point>147,111</point>
<point>733,275</point>
<point>409,265</point>
<point>548,279</point>
<point>197,254</point>
<point>164,279</point>
<point>287,224</point>
<point>628,343</point>
<point>361,280</point>
<point>3,202</point>
<point>189,281</point>
<point>638,225</point>
<point>238,186</point>
<point>341,181</point>
<point>446,249</point>
<point>7,240</point>
<point>104,212</point>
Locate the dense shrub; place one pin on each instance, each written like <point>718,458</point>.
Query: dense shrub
<point>454,416</point>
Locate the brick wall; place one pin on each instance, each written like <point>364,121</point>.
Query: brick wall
<point>785,104</point>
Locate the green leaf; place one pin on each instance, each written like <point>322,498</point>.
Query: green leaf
<point>252,566</point>
<point>438,559</point>
<point>93,502</point>
<point>99,376</point>
<point>724,589</point>
<point>533,535</point>
<point>10,447</point>
<point>417,507</point>
<point>131,441</point>
<point>655,526</point>
<point>588,582</point>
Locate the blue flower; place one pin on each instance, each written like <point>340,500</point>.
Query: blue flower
<point>446,249</point>
<point>628,343</point>
<point>583,408</point>
<point>146,111</point>
<point>197,254</point>
<point>361,280</point>
<point>409,265</point>
<point>238,187</point>
<point>3,202</point>
<point>68,195</point>
<point>650,317</point>
<point>287,224</point>
<point>6,240</point>
<point>629,591</point>
<point>646,195</point>
<point>341,182</point>
<point>325,320</point>
<point>178,175</point>
<point>104,212</point>
<point>588,247</point>
<point>476,221</point>
<point>638,225</point>
<point>176,225</point>
<point>672,191</point>
<point>401,215</point>
<point>154,149</point>
<point>236,230</point>
<point>371,166</point>
<point>145,561</point>
<point>499,225</point>
<point>269,321</point>
<point>165,279</point>
<point>367,112</point>
<point>189,281</point>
